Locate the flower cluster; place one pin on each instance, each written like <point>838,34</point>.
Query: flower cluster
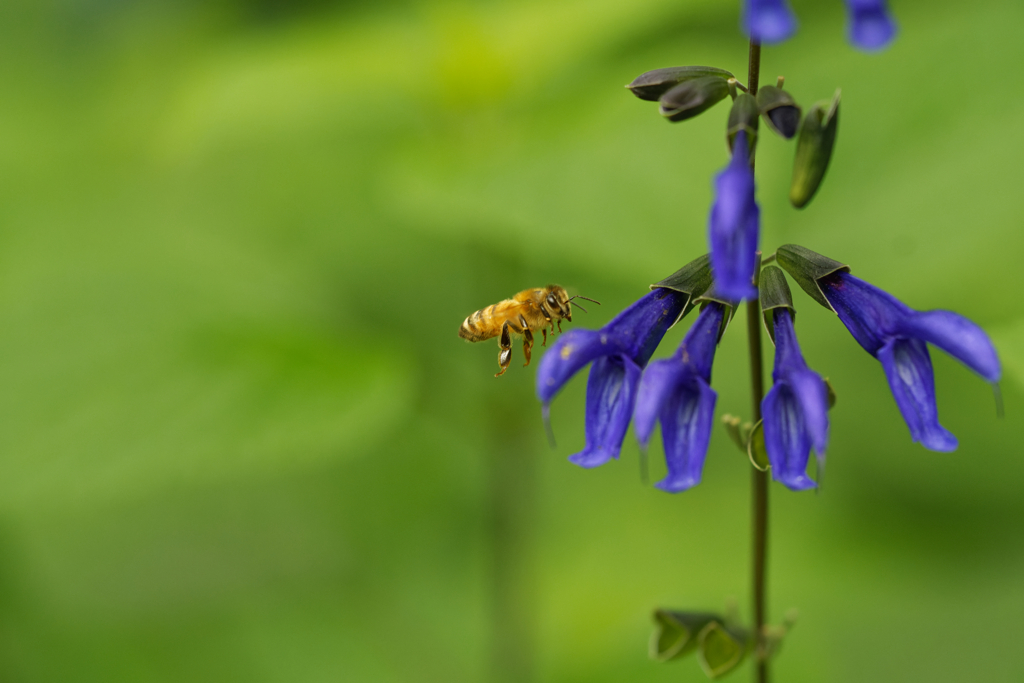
<point>772,21</point>
<point>676,391</point>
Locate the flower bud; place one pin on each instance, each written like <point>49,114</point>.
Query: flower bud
<point>743,116</point>
<point>689,98</point>
<point>779,109</point>
<point>814,150</point>
<point>653,84</point>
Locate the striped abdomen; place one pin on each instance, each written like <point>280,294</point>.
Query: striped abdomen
<point>485,323</point>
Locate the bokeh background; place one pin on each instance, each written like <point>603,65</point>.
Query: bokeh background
<point>241,441</point>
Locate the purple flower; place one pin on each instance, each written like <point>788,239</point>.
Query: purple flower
<point>768,21</point>
<point>795,410</point>
<point>870,28</point>
<point>895,334</point>
<point>733,226</point>
<point>677,392</point>
<point>619,351</point>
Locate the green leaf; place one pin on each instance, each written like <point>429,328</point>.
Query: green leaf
<point>807,267</point>
<point>675,633</point>
<point>814,150</point>
<point>756,450</point>
<point>774,291</point>
<point>690,98</point>
<point>720,650</point>
<point>651,85</point>
<point>743,116</point>
<point>779,110</point>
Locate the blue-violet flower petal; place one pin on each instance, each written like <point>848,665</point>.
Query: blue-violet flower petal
<point>768,21</point>
<point>733,226</point>
<point>895,334</point>
<point>676,391</point>
<point>795,410</point>
<point>870,26</point>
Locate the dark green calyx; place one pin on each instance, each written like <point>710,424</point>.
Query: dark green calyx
<point>775,294</point>
<point>814,150</point>
<point>807,267</point>
<point>690,98</point>
<point>652,85</point>
<point>693,279</point>
<point>743,116</point>
<point>780,110</point>
<point>676,633</point>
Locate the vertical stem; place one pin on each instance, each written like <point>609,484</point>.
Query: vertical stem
<point>754,67</point>
<point>758,479</point>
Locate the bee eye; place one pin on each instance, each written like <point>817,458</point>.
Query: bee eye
<point>551,301</point>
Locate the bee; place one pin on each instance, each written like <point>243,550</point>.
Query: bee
<point>529,311</point>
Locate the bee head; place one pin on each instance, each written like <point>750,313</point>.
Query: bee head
<point>565,302</point>
<point>558,300</point>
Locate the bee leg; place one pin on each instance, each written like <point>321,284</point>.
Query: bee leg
<point>527,340</point>
<point>547,317</point>
<point>505,356</point>
<point>559,327</point>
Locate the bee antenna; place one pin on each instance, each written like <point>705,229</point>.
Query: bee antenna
<point>585,299</point>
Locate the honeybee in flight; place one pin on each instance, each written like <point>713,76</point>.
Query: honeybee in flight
<point>527,312</point>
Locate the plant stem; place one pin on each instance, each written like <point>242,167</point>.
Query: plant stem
<point>753,66</point>
<point>758,479</point>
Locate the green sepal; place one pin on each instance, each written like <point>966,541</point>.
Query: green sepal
<point>807,267</point>
<point>689,98</point>
<point>730,308</point>
<point>775,634</point>
<point>756,450</point>
<point>743,116</point>
<point>693,279</point>
<point>651,85</point>
<point>675,633</point>
<point>774,294</point>
<point>779,110</point>
<point>832,397</point>
<point>720,650</point>
<point>737,430</point>
<point>814,150</point>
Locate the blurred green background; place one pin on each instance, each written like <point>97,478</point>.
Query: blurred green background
<point>241,441</point>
